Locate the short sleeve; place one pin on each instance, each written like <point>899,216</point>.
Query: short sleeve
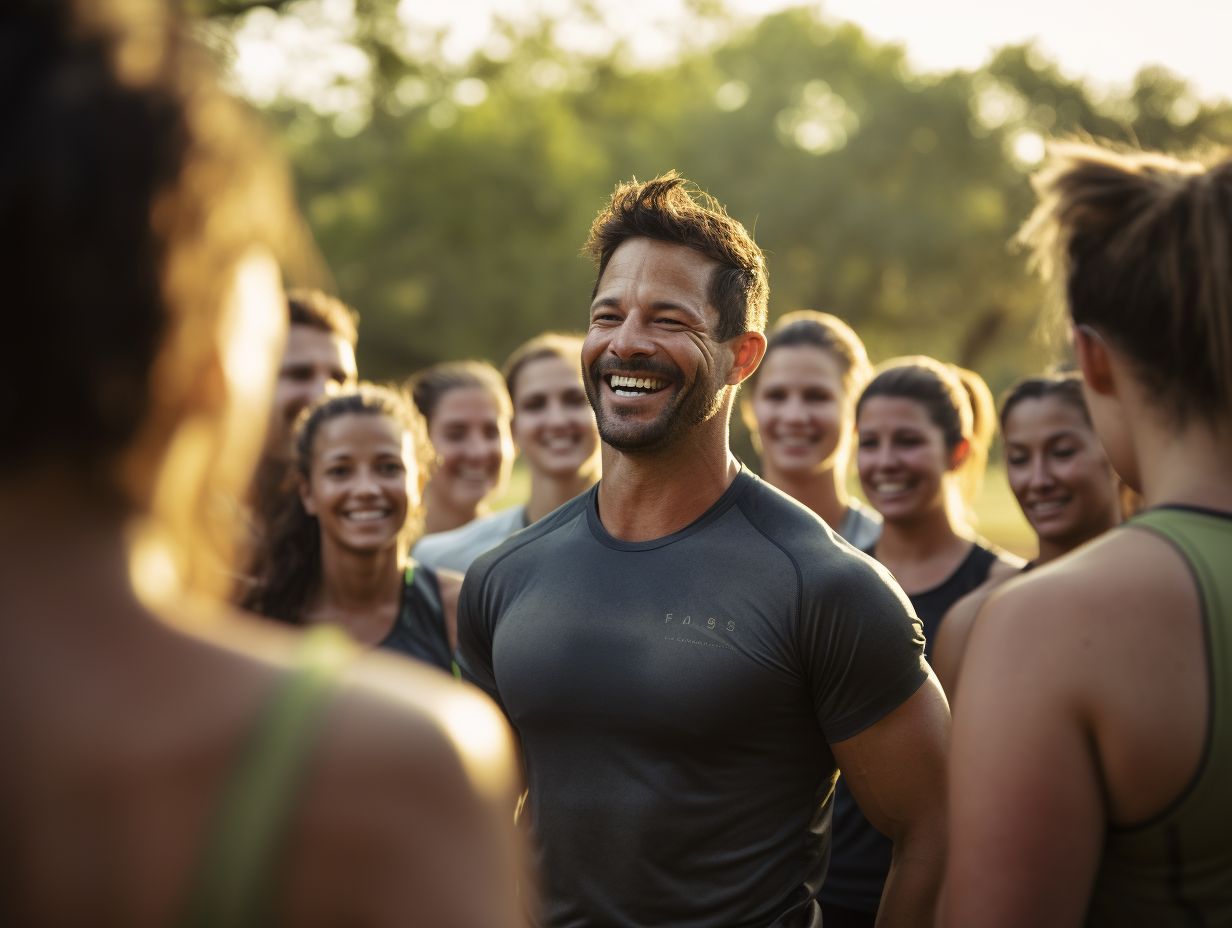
<point>862,644</point>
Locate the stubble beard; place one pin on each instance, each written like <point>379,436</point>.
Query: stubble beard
<point>693,404</point>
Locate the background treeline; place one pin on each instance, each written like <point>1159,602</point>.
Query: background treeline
<point>450,200</point>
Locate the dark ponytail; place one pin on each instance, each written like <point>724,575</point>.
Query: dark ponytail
<point>1141,244</point>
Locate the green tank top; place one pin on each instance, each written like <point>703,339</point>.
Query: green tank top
<point>1176,869</point>
<point>237,870</point>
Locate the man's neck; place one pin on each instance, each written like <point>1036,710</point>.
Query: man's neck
<point>647,495</point>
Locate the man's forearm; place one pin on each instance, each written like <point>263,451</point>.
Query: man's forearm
<point>909,899</point>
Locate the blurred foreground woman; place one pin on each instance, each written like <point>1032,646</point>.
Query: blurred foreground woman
<point>1093,738</point>
<point>169,762</point>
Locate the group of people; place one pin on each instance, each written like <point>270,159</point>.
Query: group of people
<point>710,696</point>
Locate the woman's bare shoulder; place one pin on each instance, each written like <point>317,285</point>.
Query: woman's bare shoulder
<point>407,808</point>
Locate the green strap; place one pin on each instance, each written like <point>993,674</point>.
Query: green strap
<point>233,883</point>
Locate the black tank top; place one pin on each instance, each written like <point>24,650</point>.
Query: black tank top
<point>419,631</point>
<point>932,605</point>
<point>860,855</point>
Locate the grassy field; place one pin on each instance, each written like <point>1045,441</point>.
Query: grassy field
<point>998,517</point>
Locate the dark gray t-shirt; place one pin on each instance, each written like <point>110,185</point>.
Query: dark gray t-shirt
<point>675,701</point>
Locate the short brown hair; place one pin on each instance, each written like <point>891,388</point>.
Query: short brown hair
<point>671,209</point>
<point>318,310</point>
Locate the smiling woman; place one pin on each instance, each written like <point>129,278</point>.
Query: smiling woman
<point>553,427</point>
<point>1063,482</point>
<point>801,415</point>
<point>337,550</point>
<point>923,431</point>
<point>467,409</point>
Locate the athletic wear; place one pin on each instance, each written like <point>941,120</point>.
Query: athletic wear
<point>1176,870</point>
<point>861,856</point>
<point>675,699</point>
<point>419,631</point>
<point>237,873</point>
<point>861,527</point>
<point>457,548</point>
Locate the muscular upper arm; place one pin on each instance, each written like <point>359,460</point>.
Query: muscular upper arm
<point>1026,813</point>
<point>895,768</point>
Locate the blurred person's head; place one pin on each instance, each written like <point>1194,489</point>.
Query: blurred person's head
<point>923,430</point>
<point>361,459</point>
<point>141,215</point>
<point>468,412</point>
<point>1056,468</point>
<point>1139,243</point>
<point>319,359</point>
<point>801,407</point>
<point>553,424</point>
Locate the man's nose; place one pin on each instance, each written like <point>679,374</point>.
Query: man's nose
<point>631,338</point>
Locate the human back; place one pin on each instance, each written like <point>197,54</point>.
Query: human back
<point>140,218</point>
<point>1121,646</point>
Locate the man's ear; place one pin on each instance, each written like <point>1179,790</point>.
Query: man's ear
<point>747,350</point>
<point>1093,359</point>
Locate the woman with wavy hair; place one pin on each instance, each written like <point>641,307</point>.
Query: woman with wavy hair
<point>337,550</point>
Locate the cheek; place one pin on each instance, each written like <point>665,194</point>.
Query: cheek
<point>1018,479</point>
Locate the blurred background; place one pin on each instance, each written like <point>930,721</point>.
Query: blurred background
<point>450,156</point>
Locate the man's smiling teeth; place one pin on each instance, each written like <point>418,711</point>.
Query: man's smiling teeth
<point>635,386</point>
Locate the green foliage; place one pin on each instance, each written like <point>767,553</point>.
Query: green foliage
<point>451,209</point>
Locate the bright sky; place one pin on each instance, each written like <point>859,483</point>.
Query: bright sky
<point>1103,41</point>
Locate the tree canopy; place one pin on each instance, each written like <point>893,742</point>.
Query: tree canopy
<point>450,199</point>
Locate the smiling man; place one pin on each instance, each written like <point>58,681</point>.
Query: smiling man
<point>686,653</point>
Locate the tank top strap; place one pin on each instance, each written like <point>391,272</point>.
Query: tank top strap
<point>1176,869</point>
<point>1204,540</point>
<point>235,870</point>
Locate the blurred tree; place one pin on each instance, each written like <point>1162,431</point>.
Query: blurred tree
<point>451,202</point>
